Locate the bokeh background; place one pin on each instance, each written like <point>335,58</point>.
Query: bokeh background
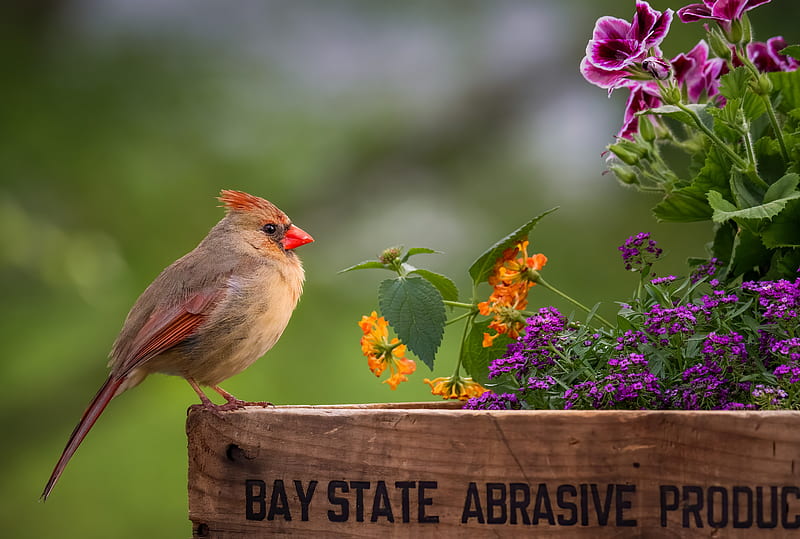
<point>437,124</point>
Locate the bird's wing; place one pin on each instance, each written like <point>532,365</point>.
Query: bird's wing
<point>168,326</point>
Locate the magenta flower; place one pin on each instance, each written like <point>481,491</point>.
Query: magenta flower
<point>766,56</point>
<point>699,74</point>
<point>618,47</point>
<point>643,97</point>
<point>723,11</point>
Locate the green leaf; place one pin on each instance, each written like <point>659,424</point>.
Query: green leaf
<point>684,205</point>
<point>748,253</point>
<point>482,267</point>
<point>786,187</point>
<point>414,308</point>
<point>784,231</point>
<point>788,84</point>
<point>733,85</point>
<point>446,287</point>
<point>368,264</point>
<point>791,50</point>
<point>724,210</point>
<point>745,193</point>
<point>475,358</point>
<point>689,204</point>
<point>671,111</point>
<point>418,251</point>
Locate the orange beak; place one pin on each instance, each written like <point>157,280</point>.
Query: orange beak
<point>295,237</point>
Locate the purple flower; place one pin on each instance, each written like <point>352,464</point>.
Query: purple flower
<point>709,269</point>
<point>629,385</point>
<point>644,96</point>
<point>697,73</point>
<point>493,401</point>
<point>729,347</point>
<point>535,350</point>
<point>723,11</point>
<point>780,299</point>
<point>767,56</point>
<point>639,252</point>
<point>618,47</point>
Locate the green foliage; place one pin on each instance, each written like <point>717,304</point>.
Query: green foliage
<point>482,267</point>
<point>748,183</point>
<point>414,308</point>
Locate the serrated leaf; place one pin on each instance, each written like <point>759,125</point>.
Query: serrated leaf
<point>745,193</point>
<point>367,264</point>
<point>689,203</point>
<point>418,251</point>
<point>725,211</point>
<point>733,85</point>
<point>791,50</point>
<point>475,358</point>
<point>446,287</point>
<point>671,111</point>
<point>788,84</point>
<point>414,308</point>
<point>783,231</point>
<point>786,187</point>
<point>482,267</point>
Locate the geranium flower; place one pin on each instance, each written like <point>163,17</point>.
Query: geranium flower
<point>455,387</point>
<point>617,48</point>
<point>723,11</point>
<point>767,56</point>
<point>382,353</point>
<point>697,73</point>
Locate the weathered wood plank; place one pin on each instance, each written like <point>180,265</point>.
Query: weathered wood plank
<point>430,470</point>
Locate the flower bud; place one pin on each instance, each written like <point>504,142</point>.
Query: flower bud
<point>671,95</point>
<point>625,154</point>
<point>390,256</point>
<point>718,43</point>
<point>625,174</point>
<point>646,129</point>
<point>659,68</point>
<point>734,32</point>
<point>761,85</point>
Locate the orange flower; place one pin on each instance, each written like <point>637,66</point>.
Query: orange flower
<point>511,279</point>
<point>455,387</point>
<point>382,353</point>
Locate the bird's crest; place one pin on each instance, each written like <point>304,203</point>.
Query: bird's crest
<point>240,201</point>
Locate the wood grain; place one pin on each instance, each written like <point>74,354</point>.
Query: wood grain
<point>431,470</point>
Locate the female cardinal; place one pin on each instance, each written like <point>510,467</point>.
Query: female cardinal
<point>211,313</point>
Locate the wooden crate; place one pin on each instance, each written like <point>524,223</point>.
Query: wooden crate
<point>431,470</point>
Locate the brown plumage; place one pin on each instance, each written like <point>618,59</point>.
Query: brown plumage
<point>211,313</point>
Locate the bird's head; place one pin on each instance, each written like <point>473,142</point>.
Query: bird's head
<point>261,224</point>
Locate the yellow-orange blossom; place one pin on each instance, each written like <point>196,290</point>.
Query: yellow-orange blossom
<point>511,278</point>
<point>382,353</point>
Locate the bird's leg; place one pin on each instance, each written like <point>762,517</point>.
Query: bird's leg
<point>234,403</point>
<point>206,402</point>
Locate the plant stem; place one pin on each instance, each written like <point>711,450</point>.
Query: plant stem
<point>773,120</point>
<point>459,304</point>
<point>747,168</point>
<point>467,325</point>
<point>575,302</point>
<point>457,318</point>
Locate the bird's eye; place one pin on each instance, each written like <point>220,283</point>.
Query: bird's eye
<point>270,229</point>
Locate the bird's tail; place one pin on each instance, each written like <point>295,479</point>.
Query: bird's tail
<point>93,411</point>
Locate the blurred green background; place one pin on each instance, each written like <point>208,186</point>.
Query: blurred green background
<point>438,124</point>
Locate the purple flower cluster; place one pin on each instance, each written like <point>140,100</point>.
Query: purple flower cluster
<point>628,385</point>
<point>663,323</point>
<point>709,269</point>
<point>536,349</point>
<point>493,401</point>
<point>780,299</point>
<point>639,252</point>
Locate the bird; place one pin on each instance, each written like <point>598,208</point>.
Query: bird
<point>210,314</point>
